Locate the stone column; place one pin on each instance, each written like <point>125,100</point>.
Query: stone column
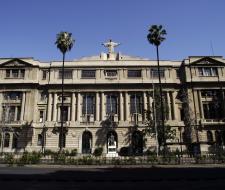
<point>97,107</point>
<point>127,111</point>
<point>69,112</point>
<point>169,105</point>
<point>23,106</point>
<point>58,113</point>
<point>1,99</point>
<point>200,104</point>
<point>121,107</point>
<point>49,107</point>
<point>102,106</point>
<point>145,105</point>
<point>173,106</point>
<point>78,106</point>
<point>73,107</point>
<point>55,107</point>
<point>16,111</point>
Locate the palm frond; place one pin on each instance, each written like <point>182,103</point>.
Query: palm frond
<point>64,41</point>
<point>156,35</point>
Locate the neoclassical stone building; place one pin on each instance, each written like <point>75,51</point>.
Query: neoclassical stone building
<point>105,97</point>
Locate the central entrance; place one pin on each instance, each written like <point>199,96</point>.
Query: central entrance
<point>112,142</point>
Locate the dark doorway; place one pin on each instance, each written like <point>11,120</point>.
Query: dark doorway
<point>86,142</point>
<point>137,143</point>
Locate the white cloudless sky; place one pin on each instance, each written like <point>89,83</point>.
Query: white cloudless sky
<point>29,27</point>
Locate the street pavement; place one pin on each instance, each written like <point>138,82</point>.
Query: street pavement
<point>98,177</point>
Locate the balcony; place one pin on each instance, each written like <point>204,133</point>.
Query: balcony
<point>212,121</point>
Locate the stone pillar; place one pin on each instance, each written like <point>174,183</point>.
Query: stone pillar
<point>73,107</point>
<point>173,106</point>
<point>49,107</point>
<point>23,106</point>
<point>200,104</point>
<point>16,111</point>
<point>97,110</point>
<point>169,105</point>
<point>78,106</point>
<point>102,106</point>
<point>127,111</point>
<point>145,105</point>
<point>58,113</point>
<point>55,107</point>
<point>121,107</point>
<point>69,113</point>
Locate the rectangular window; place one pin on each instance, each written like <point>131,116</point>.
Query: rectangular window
<point>8,73</point>
<point>65,113</point>
<point>110,73</point>
<point>111,104</point>
<point>41,118</point>
<point>12,95</point>
<point>154,73</point>
<point>208,71</point>
<point>134,73</point>
<point>88,73</point>
<point>40,140</point>
<point>136,104</point>
<point>88,106</point>
<point>18,113</point>
<point>44,75</point>
<point>210,111</point>
<point>177,73</point>
<point>68,74</point>
<point>15,73</point>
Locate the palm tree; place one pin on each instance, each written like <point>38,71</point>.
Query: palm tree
<point>64,42</point>
<point>156,37</point>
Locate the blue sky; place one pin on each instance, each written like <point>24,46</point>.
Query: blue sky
<point>29,27</point>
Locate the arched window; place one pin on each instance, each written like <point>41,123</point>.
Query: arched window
<point>209,137</point>
<point>86,142</point>
<point>218,138</point>
<point>137,142</point>
<point>6,140</point>
<point>15,141</point>
<point>40,140</point>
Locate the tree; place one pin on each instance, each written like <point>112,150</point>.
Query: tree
<point>155,37</point>
<point>64,42</point>
<point>161,133</point>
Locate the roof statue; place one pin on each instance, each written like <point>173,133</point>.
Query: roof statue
<point>110,45</point>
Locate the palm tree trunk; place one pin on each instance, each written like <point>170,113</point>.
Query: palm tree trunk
<point>62,108</point>
<point>161,102</point>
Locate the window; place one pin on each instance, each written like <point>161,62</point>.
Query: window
<point>12,95</point>
<point>88,74</point>
<point>111,104</point>
<point>15,141</point>
<point>177,73</point>
<point>88,106</point>
<point>209,137</point>
<point>11,113</point>
<point>6,140</point>
<point>15,73</point>
<point>154,73</point>
<point>44,75</point>
<point>134,73</point>
<point>68,74</point>
<point>40,140</point>
<point>210,111</point>
<point>41,118</point>
<point>65,113</point>
<point>43,96</point>
<point>136,104</point>
<point>110,73</point>
<point>207,71</point>
<point>218,138</point>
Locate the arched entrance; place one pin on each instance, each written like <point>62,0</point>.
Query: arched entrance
<point>137,143</point>
<point>112,143</point>
<point>86,142</point>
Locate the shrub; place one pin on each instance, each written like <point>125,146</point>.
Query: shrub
<point>124,151</point>
<point>8,158</point>
<point>98,151</point>
<point>30,158</point>
<point>73,152</point>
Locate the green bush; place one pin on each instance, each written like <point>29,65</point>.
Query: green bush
<point>73,152</point>
<point>8,158</point>
<point>60,158</point>
<point>98,151</point>
<point>30,158</point>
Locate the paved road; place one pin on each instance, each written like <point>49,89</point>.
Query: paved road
<point>29,178</point>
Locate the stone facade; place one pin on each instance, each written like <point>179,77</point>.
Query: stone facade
<point>104,95</point>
